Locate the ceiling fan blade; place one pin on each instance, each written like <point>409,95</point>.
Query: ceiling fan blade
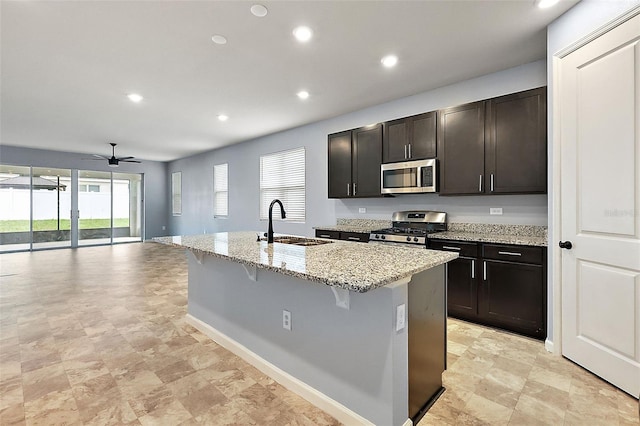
<point>125,158</point>
<point>102,157</point>
<point>98,159</point>
<point>130,161</point>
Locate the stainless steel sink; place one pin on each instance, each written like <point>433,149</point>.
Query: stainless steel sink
<point>298,241</point>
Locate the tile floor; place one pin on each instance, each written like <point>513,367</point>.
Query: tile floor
<point>97,336</point>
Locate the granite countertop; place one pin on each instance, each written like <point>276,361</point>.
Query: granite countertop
<point>523,235</point>
<point>352,266</point>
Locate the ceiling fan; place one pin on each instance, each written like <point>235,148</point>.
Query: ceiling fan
<point>113,160</point>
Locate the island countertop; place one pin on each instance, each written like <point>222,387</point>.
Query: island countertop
<point>352,266</point>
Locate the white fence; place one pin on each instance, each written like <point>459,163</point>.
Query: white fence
<point>14,205</point>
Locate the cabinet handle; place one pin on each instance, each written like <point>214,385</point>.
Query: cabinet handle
<point>480,184</point>
<point>353,238</point>
<point>348,189</point>
<point>484,271</point>
<point>473,269</point>
<point>354,189</point>
<point>510,253</point>
<point>324,236</point>
<point>451,248</point>
<point>491,182</point>
<point>410,151</point>
<point>405,152</point>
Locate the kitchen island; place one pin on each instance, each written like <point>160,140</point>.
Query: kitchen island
<point>357,329</point>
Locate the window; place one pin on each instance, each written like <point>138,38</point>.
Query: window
<point>221,190</point>
<point>282,176</point>
<point>176,193</point>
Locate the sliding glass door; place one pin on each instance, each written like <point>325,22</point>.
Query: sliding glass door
<point>36,205</point>
<point>51,199</point>
<point>15,208</point>
<point>94,207</point>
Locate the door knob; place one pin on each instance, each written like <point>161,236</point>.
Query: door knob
<point>565,245</point>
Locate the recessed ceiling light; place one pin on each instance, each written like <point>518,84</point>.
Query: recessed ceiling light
<point>219,39</point>
<point>259,10</point>
<point>389,61</point>
<point>303,33</point>
<point>134,97</point>
<point>543,4</point>
<point>303,94</point>
<point>223,117</point>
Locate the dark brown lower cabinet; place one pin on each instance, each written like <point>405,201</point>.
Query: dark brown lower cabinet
<point>462,291</point>
<point>513,297</point>
<point>499,285</point>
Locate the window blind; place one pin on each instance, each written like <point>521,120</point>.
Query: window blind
<point>221,190</point>
<point>176,193</point>
<point>282,176</point>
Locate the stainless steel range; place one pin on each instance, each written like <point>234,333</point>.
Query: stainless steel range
<point>411,227</point>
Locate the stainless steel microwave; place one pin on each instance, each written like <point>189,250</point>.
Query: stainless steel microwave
<point>409,177</point>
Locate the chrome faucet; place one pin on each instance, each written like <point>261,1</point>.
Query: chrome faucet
<point>283,214</point>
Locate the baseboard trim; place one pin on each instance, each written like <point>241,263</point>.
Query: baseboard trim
<point>548,345</point>
<point>408,422</point>
<point>317,398</point>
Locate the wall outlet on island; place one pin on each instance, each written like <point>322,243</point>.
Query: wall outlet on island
<point>495,210</point>
<point>164,228</point>
<point>362,210</point>
<point>286,320</point>
<point>400,317</point>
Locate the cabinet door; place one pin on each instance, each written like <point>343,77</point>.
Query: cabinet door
<point>462,288</point>
<point>422,140</point>
<point>325,233</point>
<point>512,295</point>
<point>339,161</point>
<point>516,155</point>
<point>367,158</point>
<point>395,141</point>
<point>461,149</point>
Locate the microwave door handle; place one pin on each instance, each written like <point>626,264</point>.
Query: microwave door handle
<point>419,177</point>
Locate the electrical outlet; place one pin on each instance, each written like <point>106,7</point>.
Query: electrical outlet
<point>495,210</point>
<point>362,210</point>
<point>286,320</point>
<point>164,228</point>
<point>400,317</point>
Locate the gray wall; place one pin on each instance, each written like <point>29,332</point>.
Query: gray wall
<point>156,207</point>
<point>244,158</point>
<point>577,23</point>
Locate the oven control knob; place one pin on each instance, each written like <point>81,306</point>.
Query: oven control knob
<point>377,236</point>
<point>382,237</point>
<point>408,238</point>
<point>415,239</point>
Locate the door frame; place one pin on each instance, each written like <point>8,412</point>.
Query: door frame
<point>555,180</point>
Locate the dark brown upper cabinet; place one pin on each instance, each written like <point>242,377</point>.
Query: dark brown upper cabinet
<point>409,138</point>
<point>461,149</point>
<point>497,146</point>
<point>516,156</point>
<point>354,162</point>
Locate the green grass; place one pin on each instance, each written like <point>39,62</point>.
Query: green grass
<point>65,224</point>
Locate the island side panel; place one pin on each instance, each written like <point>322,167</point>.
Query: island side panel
<point>427,337</point>
<point>353,356</point>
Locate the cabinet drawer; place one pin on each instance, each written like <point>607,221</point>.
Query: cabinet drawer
<point>354,236</point>
<point>463,248</point>
<point>322,233</point>
<point>524,254</point>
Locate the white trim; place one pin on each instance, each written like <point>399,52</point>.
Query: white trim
<point>548,345</point>
<point>408,422</point>
<point>598,32</point>
<point>556,218</point>
<point>317,398</point>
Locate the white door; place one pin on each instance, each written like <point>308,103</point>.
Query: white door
<point>599,102</point>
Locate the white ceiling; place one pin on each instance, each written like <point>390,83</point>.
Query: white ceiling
<point>67,65</point>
